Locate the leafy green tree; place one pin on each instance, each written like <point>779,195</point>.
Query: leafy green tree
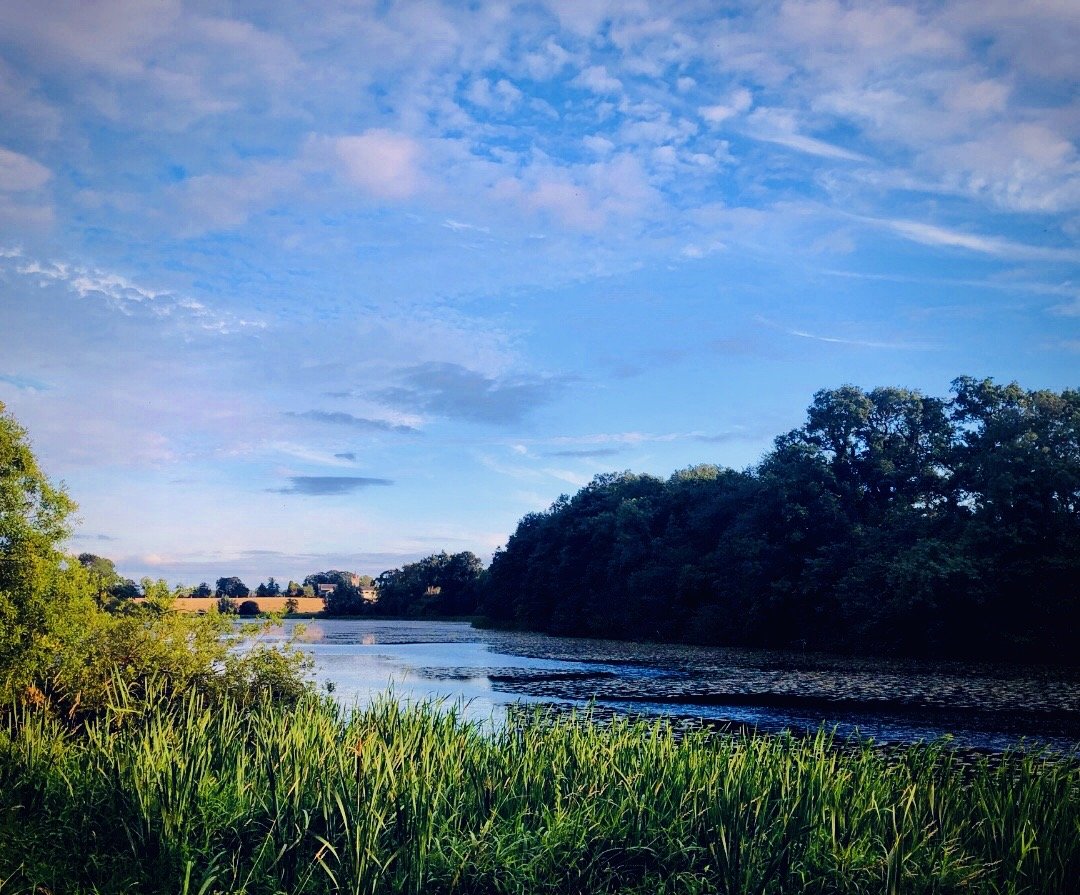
<point>126,589</point>
<point>103,575</point>
<point>889,521</point>
<point>202,590</point>
<point>61,652</point>
<point>157,594</point>
<point>439,585</point>
<point>333,576</point>
<point>45,600</point>
<point>231,587</point>
<point>270,589</point>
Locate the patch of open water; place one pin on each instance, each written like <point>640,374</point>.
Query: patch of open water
<point>981,706</point>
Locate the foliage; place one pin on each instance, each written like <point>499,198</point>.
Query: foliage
<point>439,585</point>
<point>890,521</point>
<point>270,589</point>
<point>333,576</point>
<point>231,587</point>
<point>200,796</point>
<point>65,648</point>
<point>248,608</point>
<point>103,576</point>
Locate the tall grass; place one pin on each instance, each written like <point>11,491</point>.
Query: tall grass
<point>197,798</point>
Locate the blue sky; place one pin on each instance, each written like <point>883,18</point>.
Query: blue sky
<point>285,289</point>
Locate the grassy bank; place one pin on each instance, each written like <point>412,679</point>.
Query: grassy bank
<point>312,799</point>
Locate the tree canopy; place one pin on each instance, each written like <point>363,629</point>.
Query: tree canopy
<point>231,587</point>
<point>441,584</point>
<point>890,521</point>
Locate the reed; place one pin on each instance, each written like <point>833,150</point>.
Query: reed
<point>192,797</point>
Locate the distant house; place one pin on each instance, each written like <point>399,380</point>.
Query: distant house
<point>325,590</point>
<point>369,594</point>
<point>433,591</point>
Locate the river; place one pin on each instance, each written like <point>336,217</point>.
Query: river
<point>986,707</point>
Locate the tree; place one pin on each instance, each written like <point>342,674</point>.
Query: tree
<point>125,589</point>
<point>440,584</point>
<point>270,589</point>
<point>203,590</point>
<point>47,604</point>
<point>889,521</point>
<point>248,608</point>
<point>333,576</point>
<point>231,587</point>
<point>103,574</point>
<point>63,653</point>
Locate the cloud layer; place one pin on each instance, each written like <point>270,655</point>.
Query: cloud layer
<point>246,248</point>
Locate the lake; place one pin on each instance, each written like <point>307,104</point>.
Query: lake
<point>987,707</point>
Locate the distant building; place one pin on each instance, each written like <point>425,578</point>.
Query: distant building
<point>325,590</point>
<point>368,593</point>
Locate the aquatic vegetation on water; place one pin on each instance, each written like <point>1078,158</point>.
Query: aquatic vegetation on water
<point>312,798</point>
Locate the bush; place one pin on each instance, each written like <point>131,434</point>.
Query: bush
<point>248,608</point>
<point>62,652</point>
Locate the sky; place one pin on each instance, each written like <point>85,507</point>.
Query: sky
<point>291,287</point>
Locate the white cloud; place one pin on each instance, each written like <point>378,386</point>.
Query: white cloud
<point>779,126</point>
<point>739,102</point>
<point>599,145</point>
<point>547,61</point>
<point>109,36</point>
<point>933,235</point>
<point>461,226</point>
<point>227,201</point>
<point>20,172</point>
<point>695,251</point>
<point>381,162</point>
<point>501,96</point>
<point>583,17</point>
<point>570,477</point>
<point>125,295</point>
<point>597,79</point>
<point>585,197</point>
<point>1022,167</point>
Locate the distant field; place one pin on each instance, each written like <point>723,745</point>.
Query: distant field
<point>266,604</point>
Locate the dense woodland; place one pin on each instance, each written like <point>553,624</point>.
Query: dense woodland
<point>890,522</point>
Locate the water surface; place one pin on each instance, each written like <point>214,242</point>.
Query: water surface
<point>991,707</point>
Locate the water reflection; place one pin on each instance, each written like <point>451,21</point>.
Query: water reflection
<point>981,706</point>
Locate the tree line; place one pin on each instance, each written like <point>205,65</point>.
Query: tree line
<point>440,585</point>
<point>889,522</point>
